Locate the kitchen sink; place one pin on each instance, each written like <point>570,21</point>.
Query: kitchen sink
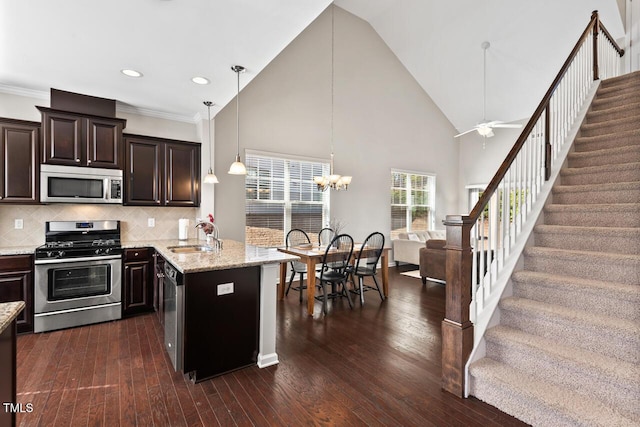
<point>194,249</point>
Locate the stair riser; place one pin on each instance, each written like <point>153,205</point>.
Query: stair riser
<point>513,403</point>
<point>605,177</point>
<point>617,344</point>
<point>593,219</point>
<point>587,267</point>
<point>629,244</point>
<point>610,127</point>
<point>592,301</point>
<point>596,197</point>
<point>577,161</point>
<point>602,116</point>
<point>630,90</point>
<point>563,372</point>
<point>606,142</point>
<point>621,81</point>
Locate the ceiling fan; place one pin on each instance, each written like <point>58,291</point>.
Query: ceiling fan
<point>485,128</point>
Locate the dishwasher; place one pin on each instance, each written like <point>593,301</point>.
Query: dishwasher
<point>173,306</point>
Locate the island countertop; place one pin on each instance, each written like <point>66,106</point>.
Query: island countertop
<point>233,255</point>
<point>8,312</point>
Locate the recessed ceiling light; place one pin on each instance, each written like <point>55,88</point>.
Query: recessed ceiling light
<point>131,73</point>
<point>200,80</point>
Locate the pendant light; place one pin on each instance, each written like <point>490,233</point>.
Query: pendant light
<point>210,178</point>
<point>333,180</point>
<point>237,167</point>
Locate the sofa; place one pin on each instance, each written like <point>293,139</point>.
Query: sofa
<point>406,248</point>
<point>433,259</point>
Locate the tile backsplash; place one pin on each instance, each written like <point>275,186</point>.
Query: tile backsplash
<point>133,221</point>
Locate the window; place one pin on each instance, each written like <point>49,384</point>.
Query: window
<point>280,195</point>
<point>412,202</point>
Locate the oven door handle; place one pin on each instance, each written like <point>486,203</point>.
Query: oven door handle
<point>80,259</point>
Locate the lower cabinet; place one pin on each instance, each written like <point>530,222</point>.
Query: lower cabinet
<point>16,284</point>
<point>138,281</point>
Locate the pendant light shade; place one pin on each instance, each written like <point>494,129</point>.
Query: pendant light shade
<point>237,167</point>
<point>210,178</point>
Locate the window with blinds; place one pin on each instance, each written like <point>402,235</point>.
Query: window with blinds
<point>412,202</point>
<point>281,195</point>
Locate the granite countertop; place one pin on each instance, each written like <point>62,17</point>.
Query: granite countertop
<point>8,312</point>
<point>233,255</point>
<point>18,250</point>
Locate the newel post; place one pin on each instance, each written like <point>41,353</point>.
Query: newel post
<point>457,329</point>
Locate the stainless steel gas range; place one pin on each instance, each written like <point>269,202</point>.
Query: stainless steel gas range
<point>78,274</point>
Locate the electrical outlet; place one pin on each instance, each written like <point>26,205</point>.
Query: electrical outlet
<point>225,288</point>
<point>151,222</point>
<point>18,224</point>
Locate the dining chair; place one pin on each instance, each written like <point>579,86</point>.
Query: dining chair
<point>337,255</point>
<point>325,236</point>
<point>367,266</point>
<point>297,237</point>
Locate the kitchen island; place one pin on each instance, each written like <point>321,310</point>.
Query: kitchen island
<point>8,313</point>
<point>216,303</point>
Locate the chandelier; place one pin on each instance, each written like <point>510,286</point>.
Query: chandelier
<point>333,180</point>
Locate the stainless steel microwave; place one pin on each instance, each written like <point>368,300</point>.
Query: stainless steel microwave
<point>73,184</point>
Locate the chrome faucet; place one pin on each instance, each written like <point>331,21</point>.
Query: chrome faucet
<point>212,233</point>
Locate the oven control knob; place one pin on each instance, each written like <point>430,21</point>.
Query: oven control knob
<point>60,254</point>
<point>49,254</point>
<point>107,250</point>
<point>98,251</point>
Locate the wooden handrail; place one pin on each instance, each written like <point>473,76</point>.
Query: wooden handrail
<point>504,167</point>
<point>457,327</point>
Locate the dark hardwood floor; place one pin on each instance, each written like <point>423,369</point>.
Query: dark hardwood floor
<point>373,365</point>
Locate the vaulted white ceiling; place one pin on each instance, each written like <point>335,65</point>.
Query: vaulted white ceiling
<point>81,46</point>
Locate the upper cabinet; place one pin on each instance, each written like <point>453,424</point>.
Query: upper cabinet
<point>161,172</point>
<point>80,140</point>
<point>19,161</point>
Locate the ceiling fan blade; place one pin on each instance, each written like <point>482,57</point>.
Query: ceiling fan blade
<point>465,132</point>
<point>507,125</point>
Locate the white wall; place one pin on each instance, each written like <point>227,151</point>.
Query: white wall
<point>382,120</point>
<point>478,163</point>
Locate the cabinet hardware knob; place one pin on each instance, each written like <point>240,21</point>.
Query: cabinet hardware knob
<point>0,197</point>
<point>88,161</point>
<point>77,160</point>
<point>160,275</point>
<point>135,254</point>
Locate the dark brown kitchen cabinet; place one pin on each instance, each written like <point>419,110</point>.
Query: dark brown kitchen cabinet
<point>16,284</point>
<point>80,140</point>
<point>138,281</point>
<point>19,177</point>
<point>161,172</point>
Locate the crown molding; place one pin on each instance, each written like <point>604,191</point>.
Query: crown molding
<point>126,108</point>
<point>120,106</point>
<point>20,91</point>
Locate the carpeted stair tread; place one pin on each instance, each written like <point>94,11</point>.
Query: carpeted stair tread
<point>617,192</point>
<point>622,80</point>
<point>539,402</point>
<point>604,114</point>
<point>582,370</point>
<point>624,240</point>
<point>598,296</point>
<point>596,215</point>
<point>621,268</point>
<point>588,143</point>
<point>605,156</point>
<point>611,126</point>
<point>602,334</point>
<point>607,100</point>
<point>622,172</point>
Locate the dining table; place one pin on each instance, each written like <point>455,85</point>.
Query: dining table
<point>311,255</point>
